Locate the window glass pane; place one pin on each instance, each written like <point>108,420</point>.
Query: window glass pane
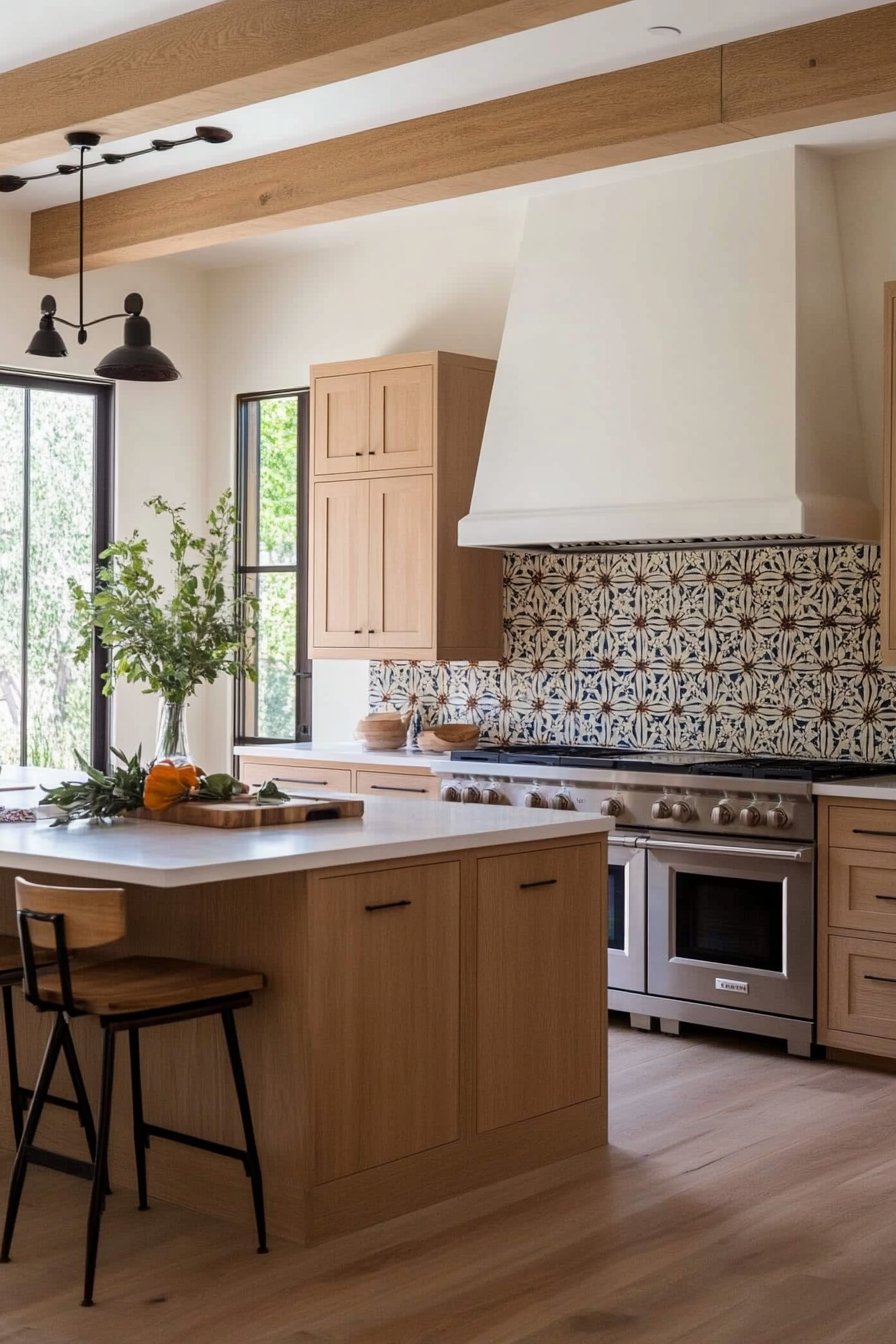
<point>271,701</point>
<point>61,547</point>
<point>12,467</point>
<point>278,448</point>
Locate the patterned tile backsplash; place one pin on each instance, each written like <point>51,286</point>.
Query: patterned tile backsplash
<point>773,650</point>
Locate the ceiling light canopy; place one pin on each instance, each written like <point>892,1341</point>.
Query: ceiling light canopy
<point>137,360</point>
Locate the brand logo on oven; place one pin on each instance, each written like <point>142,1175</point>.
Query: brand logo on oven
<point>734,986</point>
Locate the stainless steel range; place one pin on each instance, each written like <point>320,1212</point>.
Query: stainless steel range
<point>712,890</point>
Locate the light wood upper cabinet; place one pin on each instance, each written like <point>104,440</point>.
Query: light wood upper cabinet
<point>384,966</point>
<point>401,420</point>
<point>541,963</point>
<point>340,564</point>
<point>407,431</point>
<point>888,511</point>
<point>341,424</point>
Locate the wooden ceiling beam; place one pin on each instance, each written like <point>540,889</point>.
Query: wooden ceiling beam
<point>822,72</point>
<point>228,55</point>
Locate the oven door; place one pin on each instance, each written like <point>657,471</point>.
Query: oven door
<point>627,941</point>
<point>732,923</point>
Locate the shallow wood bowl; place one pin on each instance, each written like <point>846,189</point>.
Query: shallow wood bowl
<point>385,732</point>
<point>449,737</point>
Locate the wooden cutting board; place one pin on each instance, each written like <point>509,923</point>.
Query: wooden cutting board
<point>236,814</point>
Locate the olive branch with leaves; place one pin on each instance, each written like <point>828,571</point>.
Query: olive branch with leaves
<point>206,627</point>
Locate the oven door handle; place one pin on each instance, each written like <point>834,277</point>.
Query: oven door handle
<point>751,852</point>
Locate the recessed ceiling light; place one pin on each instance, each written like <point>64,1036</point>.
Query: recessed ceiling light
<point>664,30</point>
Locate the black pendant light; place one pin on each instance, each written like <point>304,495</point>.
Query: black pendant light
<point>137,360</point>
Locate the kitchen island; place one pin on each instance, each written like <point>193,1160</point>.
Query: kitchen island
<point>434,1017</point>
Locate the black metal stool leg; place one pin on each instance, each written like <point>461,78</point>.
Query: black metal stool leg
<point>17,1180</point>
<point>12,1064</point>
<point>85,1115</point>
<point>253,1166</point>
<point>141,1140</point>
<point>101,1165</point>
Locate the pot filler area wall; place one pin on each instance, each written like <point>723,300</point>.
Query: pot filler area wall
<point>762,650</point>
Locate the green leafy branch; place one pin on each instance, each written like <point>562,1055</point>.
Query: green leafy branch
<point>204,630</point>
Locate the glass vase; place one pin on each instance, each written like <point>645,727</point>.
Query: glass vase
<point>172,743</point>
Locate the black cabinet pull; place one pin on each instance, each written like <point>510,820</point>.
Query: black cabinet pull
<point>318,783</point>
<point>396,788</point>
<point>891,834</point>
<point>884,979</point>
<point>359,454</point>
<point>550,882</point>
<point>885,898</point>
<point>359,632</point>
<point>387,905</point>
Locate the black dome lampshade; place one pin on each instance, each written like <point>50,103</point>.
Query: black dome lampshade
<point>46,340</point>
<point>138,360</point>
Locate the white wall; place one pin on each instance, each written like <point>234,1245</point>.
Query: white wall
<point>422,282</point>
<point>161,427</point>
<point>866,203</point>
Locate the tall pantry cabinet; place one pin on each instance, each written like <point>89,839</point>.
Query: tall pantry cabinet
<point>395,444</point>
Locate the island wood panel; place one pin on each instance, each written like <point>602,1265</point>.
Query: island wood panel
<point>540,984</point>
<point>261,924</point>
<point>207,61</point>
<point>384,967</point>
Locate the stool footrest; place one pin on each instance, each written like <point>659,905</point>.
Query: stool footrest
<point>191,1141</point>
<point>72,1166</point>
<point>28,1092</point>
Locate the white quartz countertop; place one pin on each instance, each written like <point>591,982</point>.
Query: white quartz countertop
<point>874,788</point>
<point>163,854</point>
<point>345,753</point>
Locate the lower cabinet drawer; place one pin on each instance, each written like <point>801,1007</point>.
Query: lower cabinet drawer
<point>394,784</point>
<point>862,890</point>
<point>862,987</point>
<point>862,827</point>
<point>296,776</point>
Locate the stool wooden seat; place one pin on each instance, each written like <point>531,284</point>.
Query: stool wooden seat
<point>126,994</point>
<point>10,957</point>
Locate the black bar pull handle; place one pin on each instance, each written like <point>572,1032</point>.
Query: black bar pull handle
<point>396,788</point>
<point>387,905</point>
<point>884,979</point>
<point>891,834</point>
<point>885,898</point>
<point>549,882</point>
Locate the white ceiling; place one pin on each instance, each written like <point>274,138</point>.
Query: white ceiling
<point>602,40</point>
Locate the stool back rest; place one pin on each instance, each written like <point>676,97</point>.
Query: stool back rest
<point>60,919</point>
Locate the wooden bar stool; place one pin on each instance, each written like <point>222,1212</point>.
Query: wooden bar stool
<point>125,995</point>
<point>11,974</point>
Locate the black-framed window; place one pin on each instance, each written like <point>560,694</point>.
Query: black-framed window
<point>272,562</point>
<point>56,491</point>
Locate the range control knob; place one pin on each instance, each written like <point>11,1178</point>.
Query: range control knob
<point>450,794</point>
<point>471,794</point>
<point>533,799</point>
<point>492,795</point>
<point>612,807</point>
<point>562,802</point>
<point>722,814</point>
<point>777,818</point>
<point>683,811</point>
<point>661,811</point>
<point>750,816</point>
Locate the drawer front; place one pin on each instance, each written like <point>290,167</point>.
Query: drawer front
<point>296,776</point>
<point>862,987</point>
<point>862,828</point>
<point>862,890</point>
<point>395,784</point>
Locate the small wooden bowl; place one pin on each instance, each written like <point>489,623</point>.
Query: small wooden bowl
<point>383,732</point>
<point>449,737</point>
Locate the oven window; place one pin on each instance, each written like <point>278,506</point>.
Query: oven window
<point>730,920</point>
<point>617,907</point>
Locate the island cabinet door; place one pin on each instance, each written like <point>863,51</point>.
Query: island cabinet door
<point>384,972</point>
<point>540,983</point>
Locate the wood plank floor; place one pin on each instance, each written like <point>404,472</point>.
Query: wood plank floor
<point>745,1197</point>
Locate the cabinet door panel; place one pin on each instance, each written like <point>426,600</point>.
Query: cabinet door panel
<point>342,424</point>
<point>541,983</point>
<point>341,547</point>
<point>385,1015</point>
<point>862,986</point>
<point>401,563</point>
<point>401,418</point>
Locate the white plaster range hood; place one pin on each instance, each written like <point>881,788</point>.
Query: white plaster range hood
<point>676,367</point>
